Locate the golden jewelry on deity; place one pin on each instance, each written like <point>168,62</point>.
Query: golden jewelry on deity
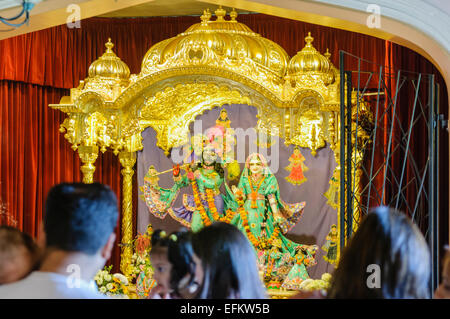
<point>258,243</point>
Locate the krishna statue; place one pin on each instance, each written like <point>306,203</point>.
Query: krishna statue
<point>207,157</point>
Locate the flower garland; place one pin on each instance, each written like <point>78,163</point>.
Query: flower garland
<point>250,235</point>
<point>274,235</point>
<point>261,244</point>
<point>254,192</point>
<point>269,267</point>
<point>211,204</point>
<point>228,217</point>
<point>198,203</point>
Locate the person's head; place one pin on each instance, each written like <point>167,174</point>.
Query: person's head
<point>443,291</point>
<point>160,261</point>
<point>18,254</point>
<point>256,164</point>
<point>80,218</point>
<point>333,228</point>
<point>228,262</point>
<point>209,156</point>
<point>223,114</point>
<point>186,271</point>
<point>386,258</point>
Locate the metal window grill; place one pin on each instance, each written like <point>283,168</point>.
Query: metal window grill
<point>396,111</point>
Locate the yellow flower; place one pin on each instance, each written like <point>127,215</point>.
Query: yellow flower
<point>114,288</point>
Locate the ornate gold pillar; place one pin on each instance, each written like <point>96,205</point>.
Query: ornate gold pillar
<point>127,160</point>
<point>88,156</point>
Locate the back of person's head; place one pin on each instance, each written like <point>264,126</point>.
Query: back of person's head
<point>18,254</point>
<point>387,241</point>
<point>80,217</point>
<point>443,291</point>
<point>229,264</point>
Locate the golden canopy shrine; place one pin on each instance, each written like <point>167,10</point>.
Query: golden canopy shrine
<point>257,108</point>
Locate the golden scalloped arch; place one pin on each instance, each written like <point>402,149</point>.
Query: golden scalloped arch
<point>168,94</point>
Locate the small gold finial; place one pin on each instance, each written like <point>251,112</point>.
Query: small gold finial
<point>327,54</point>
<point>109,45</point>
<point>220,13</point>
<point>206,16</point>
<point>233,15</point>
<point>309,39</point>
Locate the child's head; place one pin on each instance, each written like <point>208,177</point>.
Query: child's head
<point>187,271</point>
<point>160,261</point>
<point>177,270</point>
<point>18,254</point>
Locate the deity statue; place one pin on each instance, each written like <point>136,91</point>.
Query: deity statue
<point>296,168</point>
<point>223,119</point>
<point>263,217</point>
<point>142,270</point>
<point>207,204</point>
<point>331,245</point>
<point>303,258</point>
<point>332,194</point>
<point>275,262</point>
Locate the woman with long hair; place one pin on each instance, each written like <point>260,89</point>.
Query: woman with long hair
<point>387,258</point>
<point>228,263</point>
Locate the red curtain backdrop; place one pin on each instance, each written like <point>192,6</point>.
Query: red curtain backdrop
<point>37,69</point>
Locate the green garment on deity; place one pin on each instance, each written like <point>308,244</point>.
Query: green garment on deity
<point>259,210</point>
<point>205,179</point>
<point>295,277</point>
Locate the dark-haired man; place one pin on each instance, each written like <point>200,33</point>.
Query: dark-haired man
<point>79,233</point>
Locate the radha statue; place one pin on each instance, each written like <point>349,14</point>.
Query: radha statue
<point>263,216</point>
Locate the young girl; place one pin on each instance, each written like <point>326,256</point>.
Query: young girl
<point>161,265</point>
<point>177,270</point>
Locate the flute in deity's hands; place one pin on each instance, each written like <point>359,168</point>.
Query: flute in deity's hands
<point>175,169</point>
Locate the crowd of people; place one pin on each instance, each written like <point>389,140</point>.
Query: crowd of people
<point>386,258</point>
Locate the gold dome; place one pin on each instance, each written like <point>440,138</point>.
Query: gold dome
<point>229,41</point>
<point>109,65</point>
<point>310,61</point>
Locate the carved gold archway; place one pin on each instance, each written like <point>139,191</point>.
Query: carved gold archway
<point>211,64</point>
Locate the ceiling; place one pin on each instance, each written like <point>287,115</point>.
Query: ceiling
<point>165,8</point>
